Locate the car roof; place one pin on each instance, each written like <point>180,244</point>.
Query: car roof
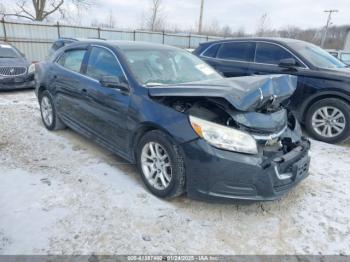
<point>127,45</point>
<point>279,40</point>
<point>73,39</point>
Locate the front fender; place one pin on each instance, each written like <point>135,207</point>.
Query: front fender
<point>147,114</point>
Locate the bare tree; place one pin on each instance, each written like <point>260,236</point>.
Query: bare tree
<point>2,9</point>
<point>110,20</point>
<point>213,28</point>
<point>39,10</point>
<point>240,32</point>
<point>263,25</point>
<point>226,31</point>
<point>156,19</point>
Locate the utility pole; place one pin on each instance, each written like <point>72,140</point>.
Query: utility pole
<point>327,25</point>
<point>201,18</point>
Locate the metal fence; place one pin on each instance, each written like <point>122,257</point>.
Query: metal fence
<point>34,39</point>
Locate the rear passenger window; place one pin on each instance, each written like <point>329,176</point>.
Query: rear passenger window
<point>239,51</point>
<point>271,54</point>
<point>72,59</point>
<point>211,51</point>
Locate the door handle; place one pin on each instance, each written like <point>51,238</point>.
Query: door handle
<point>85,93</point>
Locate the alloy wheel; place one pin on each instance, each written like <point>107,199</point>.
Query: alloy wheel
<point>46,110</point>
<point>328,121</point>
<point>156,165</point>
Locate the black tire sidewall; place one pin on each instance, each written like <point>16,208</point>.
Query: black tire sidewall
<point>334,102</point>
<point>176,186</point>
<point>53,124</point>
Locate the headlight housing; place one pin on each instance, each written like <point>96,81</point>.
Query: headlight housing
<point>31,69</point>
<point>224,137</point>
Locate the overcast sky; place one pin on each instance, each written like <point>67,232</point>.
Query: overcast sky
<point>237,14</point>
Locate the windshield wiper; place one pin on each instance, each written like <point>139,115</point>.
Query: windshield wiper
<point>154,84</point>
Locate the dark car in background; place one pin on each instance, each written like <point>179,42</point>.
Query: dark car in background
<point>187,128</point>
<point>15,70</point>
<point>322,99</point>
<point>343,56</point>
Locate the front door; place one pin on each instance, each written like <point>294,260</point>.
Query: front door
<point>106,107</point>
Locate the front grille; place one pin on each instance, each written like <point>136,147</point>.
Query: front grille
<point>12,70</point>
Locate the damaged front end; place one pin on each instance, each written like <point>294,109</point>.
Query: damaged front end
<point>246,116</point>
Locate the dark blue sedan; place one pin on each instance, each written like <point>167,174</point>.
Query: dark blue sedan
<point>187,128</point>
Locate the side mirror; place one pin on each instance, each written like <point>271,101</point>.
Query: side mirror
<point>115,82</point>
<point>287,63</point>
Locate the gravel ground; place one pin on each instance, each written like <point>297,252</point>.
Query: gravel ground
<point>61,194</point>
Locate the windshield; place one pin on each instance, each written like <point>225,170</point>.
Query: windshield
<point>160,67</point>
<point>317,56</point>
<point>7,51</point>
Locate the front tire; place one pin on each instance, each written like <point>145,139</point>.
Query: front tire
<point>161,165</point>
<point>48,112</point>
<point>328,120</point>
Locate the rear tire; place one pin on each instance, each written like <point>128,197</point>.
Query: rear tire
<point>161,164</point>
<point>48,112</point>
<point>328,120</point>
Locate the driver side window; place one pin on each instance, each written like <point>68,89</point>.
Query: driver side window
<point>271,54</point>
<point>102,63</point>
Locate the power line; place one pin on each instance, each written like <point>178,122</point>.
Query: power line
<point>327,25</point>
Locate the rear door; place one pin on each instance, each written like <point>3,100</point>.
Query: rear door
<point>233,58</point>
<point>105,108</point>
<point>66,82</point>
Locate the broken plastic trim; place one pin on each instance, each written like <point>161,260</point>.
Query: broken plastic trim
<point>269,136</point>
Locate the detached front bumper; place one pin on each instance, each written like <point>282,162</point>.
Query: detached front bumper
<point>215,173</point>
<point>18,82</point>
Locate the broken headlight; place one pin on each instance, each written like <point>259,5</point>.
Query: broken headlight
<point>224,137</point>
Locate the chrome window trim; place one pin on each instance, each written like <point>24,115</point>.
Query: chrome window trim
<point>77,73</point>
<point>86,76</point>
<point>205,50</point>
<point>252,62</point>
<point>115,56</point>
<point>65,68</point>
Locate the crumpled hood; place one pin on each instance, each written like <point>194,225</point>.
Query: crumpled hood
<point>244,93</point>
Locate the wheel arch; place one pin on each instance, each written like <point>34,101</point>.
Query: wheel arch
<point>320,96</point>
<point>41,89</point>
<point>141,130</point>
